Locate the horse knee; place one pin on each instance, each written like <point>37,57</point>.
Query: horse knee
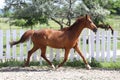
<point>65,60</point>
<point>41,55</point>
<point>29,53</point>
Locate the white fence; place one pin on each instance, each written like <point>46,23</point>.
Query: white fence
<point>102,46</point>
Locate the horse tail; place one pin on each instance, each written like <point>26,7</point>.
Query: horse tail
<point>111,29</point>
<point>24,37</point>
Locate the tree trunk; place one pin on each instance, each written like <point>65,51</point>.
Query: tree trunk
<point>61,26</point>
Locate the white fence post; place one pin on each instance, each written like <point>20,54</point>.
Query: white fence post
<point>108,45</point>
<point>97,45</point>
<point>92,37</point>
<point>77,55</point>
<point>28,44</point>
<point>1,44</point>
<point>34,56</point>
<point>114,45</point>
<point>103,45</point>
<point>51,54</point>
<point>14,47</point>
<point>84,44</point>
<point>89,45</point>
<point>40,59</point>
<point>21,47</point>
<point>71,55</point>
<point>57,54</point>
<point>8,56</point>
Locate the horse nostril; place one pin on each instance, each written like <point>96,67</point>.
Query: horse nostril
<point>95,30</point>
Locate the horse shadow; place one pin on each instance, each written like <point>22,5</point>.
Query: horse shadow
<point>24,69</point>
<point>32,69</point>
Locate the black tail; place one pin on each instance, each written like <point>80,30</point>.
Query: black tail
<point>112,31</point>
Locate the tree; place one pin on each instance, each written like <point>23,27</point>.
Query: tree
<point>60,11</point>
<point>63,9</point>
<point>17,22</point>
<point>97,12</point>
<point>113,6</point>
<point>45,9</point>
<point>29,11</point>
<point>6,12</point>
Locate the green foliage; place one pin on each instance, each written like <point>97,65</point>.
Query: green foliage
<point>111,65</point>
<point>11,63</point>
<point>55,62</point>
<point>18,22</point>
<point>32,12</point>
<point>113,6</point>
<point>31,16</point>
<point>39,11</point>
<point>34,63</point>
<point>75,63</point>
<point>6,14</point>
<point>97,12</point>
<point>95,63</point>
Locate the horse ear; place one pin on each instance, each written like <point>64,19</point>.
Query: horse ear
<point>87,16</point>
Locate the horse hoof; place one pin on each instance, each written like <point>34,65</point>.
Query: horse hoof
<point>23,65</point>
<point>88,66</point>
<point>57,67</point>
<point>53,67</point>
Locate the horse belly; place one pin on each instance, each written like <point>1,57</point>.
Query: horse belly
<point>55,45</point>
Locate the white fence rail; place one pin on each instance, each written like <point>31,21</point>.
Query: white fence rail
<point>102,46</point>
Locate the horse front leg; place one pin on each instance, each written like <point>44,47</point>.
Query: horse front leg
<point>65,57</point>
<point>80,53</point>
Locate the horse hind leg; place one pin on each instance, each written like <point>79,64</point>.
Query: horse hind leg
<point>43,52</point>
<point>30,52</point>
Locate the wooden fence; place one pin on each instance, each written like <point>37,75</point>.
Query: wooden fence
<point>102,46</point>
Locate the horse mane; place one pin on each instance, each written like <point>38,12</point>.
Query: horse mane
<point>64,29</point>
<point>73,25</point>
<point>77,22</point>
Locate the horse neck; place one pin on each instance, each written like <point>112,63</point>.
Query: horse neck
<point>76,30</point>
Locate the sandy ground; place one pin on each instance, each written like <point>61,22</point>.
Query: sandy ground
<point>63,73</point>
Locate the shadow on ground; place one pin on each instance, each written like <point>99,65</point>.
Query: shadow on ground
<point>45,69</point>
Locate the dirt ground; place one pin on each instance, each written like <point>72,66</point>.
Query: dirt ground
<point>63,73</point>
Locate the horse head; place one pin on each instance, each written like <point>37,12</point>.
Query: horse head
<point>89,23</point>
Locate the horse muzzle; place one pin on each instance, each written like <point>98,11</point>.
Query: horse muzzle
<point>95,30</point>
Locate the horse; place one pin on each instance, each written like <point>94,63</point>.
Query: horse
<point>65,38</point>
<point>106,27</point>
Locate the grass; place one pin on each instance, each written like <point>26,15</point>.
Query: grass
<point>110,65</point>
<point>11,63</point>
<point>118,45</point>
<point>75,63</point>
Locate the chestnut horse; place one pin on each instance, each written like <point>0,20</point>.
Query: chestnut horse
<point>66,38</point>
